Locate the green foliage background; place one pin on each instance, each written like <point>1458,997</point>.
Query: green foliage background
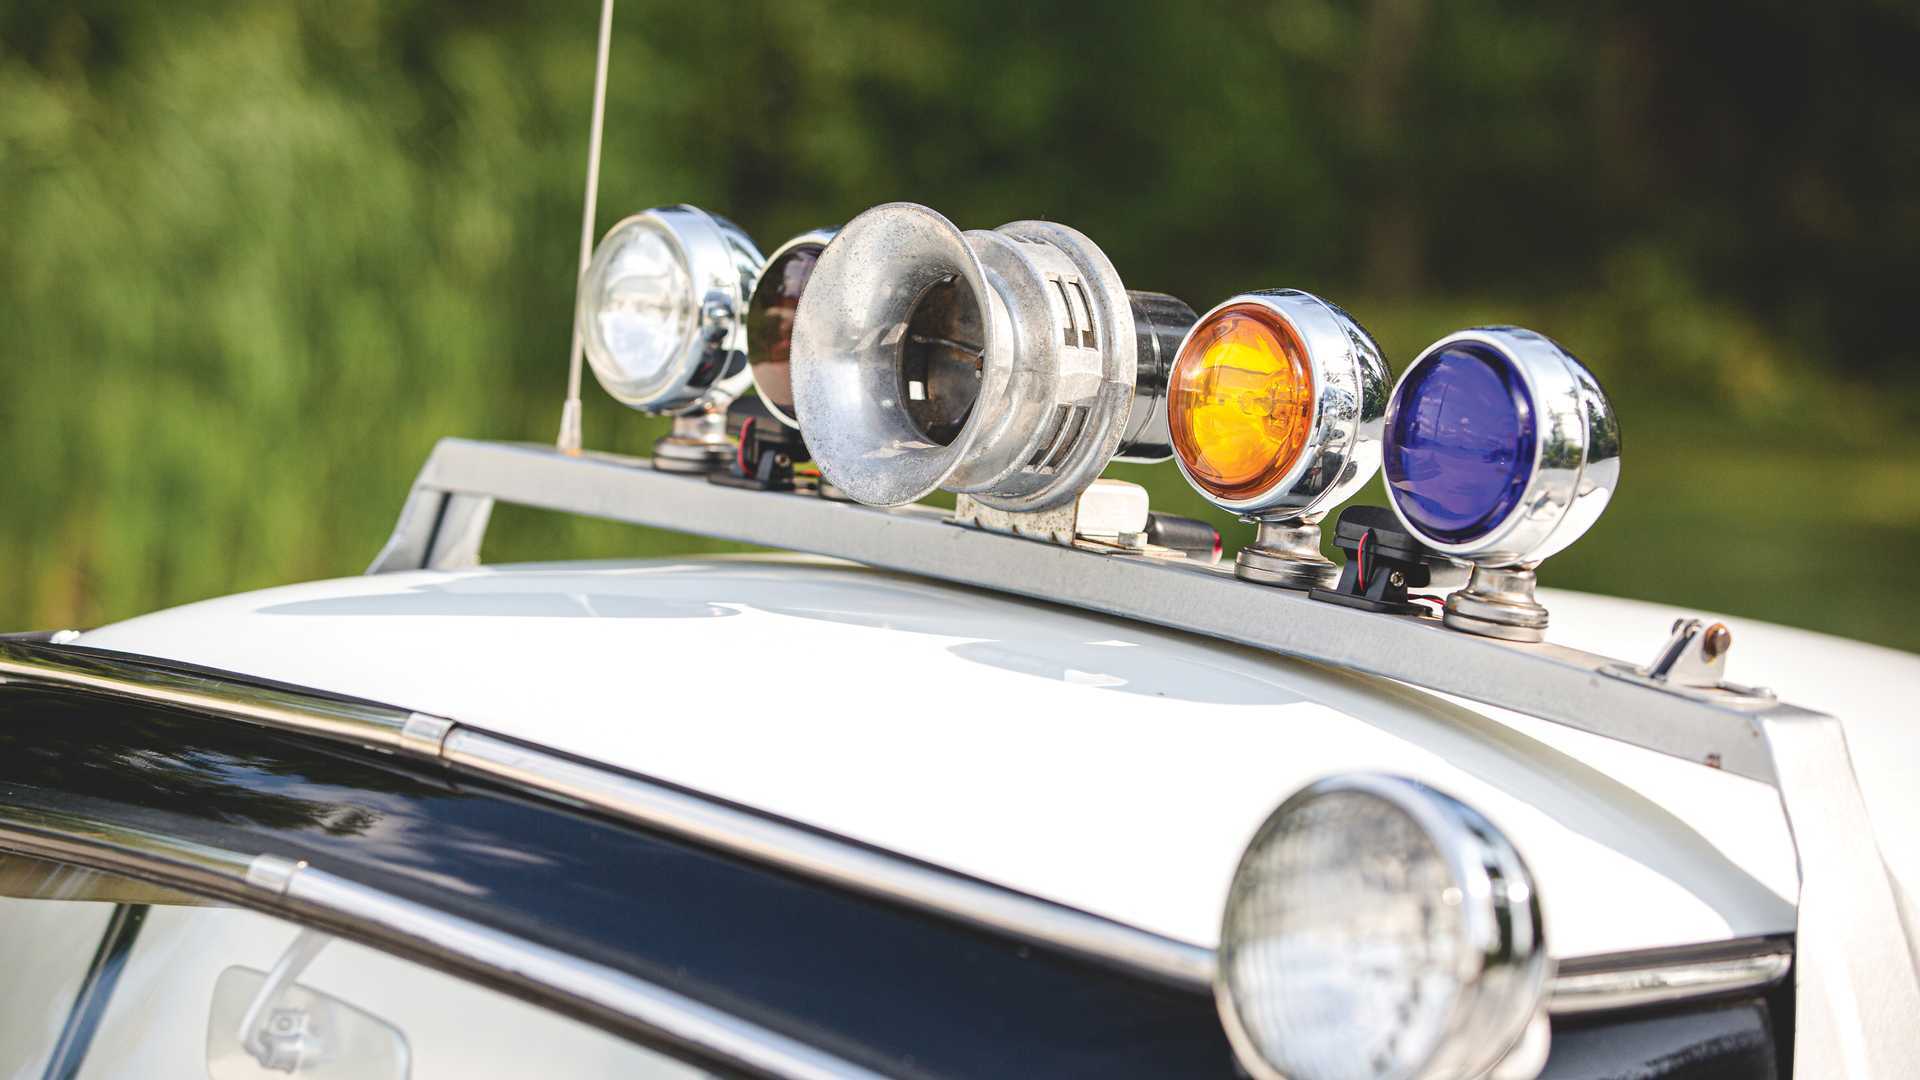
<point>256,258</point>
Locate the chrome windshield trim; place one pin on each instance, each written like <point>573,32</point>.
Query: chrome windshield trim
<point>744,833</point>
<point>1662,976</point>
<point>362,723</point>
<point>150,856</point>
<point>1597,984</point>
<point>1606,990</point>
<point>1583,985</point>
<point>280,886</point>
<point>832,859</point>
<point>706,1031</point>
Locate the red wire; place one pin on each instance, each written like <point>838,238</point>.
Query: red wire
<point>1360,562</point>
<point>740,451</point>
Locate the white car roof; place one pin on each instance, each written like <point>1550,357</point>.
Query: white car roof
<point>1115,767</point>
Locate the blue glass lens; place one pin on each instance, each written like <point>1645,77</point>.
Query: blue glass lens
<point>1460,449</point>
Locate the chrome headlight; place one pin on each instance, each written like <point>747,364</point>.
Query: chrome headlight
<point>662,310</point>
<point>1378,928</point>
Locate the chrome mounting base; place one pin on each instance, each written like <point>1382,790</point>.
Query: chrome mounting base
<point>1498,602</point>
<point>698,443</point>
<point>1286,554</point>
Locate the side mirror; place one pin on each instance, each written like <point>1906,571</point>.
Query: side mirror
<point>264,1024</point>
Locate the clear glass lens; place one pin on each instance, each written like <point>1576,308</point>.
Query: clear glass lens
<point>1343,940</point>
<point>638,311</point>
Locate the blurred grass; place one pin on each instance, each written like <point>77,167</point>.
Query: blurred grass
<point>255,259</point>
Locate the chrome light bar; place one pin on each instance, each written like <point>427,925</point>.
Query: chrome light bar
<point>445,518</point>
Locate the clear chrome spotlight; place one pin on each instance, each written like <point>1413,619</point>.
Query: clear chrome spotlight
<point>1376,927</point>
<point>1275,407</point>
<point>1501,450</point>
<point>770,314</point>
<point>1009,364</point>
<point>662,316</point>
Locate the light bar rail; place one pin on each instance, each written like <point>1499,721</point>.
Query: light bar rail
<point>445,518</point>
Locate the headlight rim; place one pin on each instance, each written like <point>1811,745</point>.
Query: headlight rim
<point>1351,380</point>
<point>1559,501</point>
<point>722,265</point>
<point>1502,989</point>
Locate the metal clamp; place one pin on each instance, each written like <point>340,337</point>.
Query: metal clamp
<point>1693,663</point>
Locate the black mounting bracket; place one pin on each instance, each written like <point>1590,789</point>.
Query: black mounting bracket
<point>767,453</point>
<point>1383,562</point>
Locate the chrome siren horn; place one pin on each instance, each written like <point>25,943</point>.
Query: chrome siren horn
<point>1009,364</point>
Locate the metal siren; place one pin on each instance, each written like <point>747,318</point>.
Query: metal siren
<point>1010,364</point>
<point>1501,450</point>
<point>661,315</point>
<point>770,315</point>
<point>1276,405</point>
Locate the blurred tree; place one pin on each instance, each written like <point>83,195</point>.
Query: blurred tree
<point>258,256</point>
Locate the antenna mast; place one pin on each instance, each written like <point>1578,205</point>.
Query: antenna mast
<point>569,440</point>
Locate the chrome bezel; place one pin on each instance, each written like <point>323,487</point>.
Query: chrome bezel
<point>722,265</point>
<point>1350,378</point>
<point>1506,967</point>
<point>1040,362</point>
<point>1576,451</point>
<point>818,238</point>
<point>845,391</point>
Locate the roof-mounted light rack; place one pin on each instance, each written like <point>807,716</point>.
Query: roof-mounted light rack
<point>1847,904</point>
<point>445,519</point>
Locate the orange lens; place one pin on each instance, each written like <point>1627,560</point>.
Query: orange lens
<point>1241,402</point>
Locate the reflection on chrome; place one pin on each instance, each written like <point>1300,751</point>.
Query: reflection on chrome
<point>1653,983</point>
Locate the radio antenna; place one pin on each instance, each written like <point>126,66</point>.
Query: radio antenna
<point>569,440</point>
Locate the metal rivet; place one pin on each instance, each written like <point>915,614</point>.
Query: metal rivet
<point>1717,641</point>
